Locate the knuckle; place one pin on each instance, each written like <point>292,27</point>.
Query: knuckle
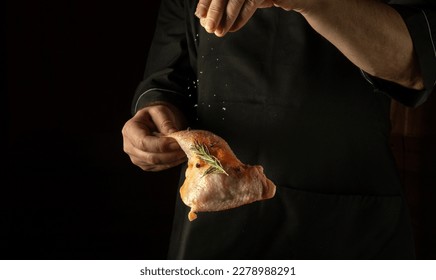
<point>162,146</point>
<point>141,144</point>
<point>166,124</point>
<point>152,159</point>
<point>125,148</point>
<point>125,129</point>
<point>139,163</point>
<point>128,148</point>
<point>202,5</point>
<point>230,18</point>
<point>251,4</point>
<point>214,10</point>
<point>157,147</point>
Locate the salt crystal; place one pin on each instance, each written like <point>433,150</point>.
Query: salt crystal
<point>224,108</point>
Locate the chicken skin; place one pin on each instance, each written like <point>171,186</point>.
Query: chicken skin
<point>215,178</point>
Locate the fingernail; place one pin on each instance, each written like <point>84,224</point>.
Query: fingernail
<point>210,26</point>
<point>203,22</point>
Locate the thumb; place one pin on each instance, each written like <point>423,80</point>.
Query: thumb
<point>164,119</point>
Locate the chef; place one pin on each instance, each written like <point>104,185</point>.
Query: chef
<point>302,88</point>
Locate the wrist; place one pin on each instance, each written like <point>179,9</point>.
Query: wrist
<point>304,7</point>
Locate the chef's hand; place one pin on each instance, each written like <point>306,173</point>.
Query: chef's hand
<point>222,16</point>
<point>143,141</point>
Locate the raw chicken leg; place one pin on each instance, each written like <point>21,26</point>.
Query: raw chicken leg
<point>215,179</point>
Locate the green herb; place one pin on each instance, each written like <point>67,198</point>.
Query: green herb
<point>203,153</point>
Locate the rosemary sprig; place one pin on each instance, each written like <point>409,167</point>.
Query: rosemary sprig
<point>202,152</point>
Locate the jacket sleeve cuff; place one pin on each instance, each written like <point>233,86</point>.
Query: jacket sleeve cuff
<point>422,26</point>
<point>159,95</point>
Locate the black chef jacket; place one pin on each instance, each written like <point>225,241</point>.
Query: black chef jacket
<point>285,98</point>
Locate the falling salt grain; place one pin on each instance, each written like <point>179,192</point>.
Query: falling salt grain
<point>224,108</point>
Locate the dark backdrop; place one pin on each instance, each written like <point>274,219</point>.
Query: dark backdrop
<point>68,191</point>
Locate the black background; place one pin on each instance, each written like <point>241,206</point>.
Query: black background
<point>68,191</point>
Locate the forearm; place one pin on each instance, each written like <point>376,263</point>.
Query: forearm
<point>370,34</point>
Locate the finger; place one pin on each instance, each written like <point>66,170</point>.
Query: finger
<point>142,158</point>
<point>202,8</point>
<point>214,14</point>
<point>231,14</point>
<point>157,164</point>
<point>142,119</point>
<point>245,14</point>
<point>203,21</point>
<point>153,144</point>
<point>137,137</point>
<point>157,168</point>
<point>285,5</point>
